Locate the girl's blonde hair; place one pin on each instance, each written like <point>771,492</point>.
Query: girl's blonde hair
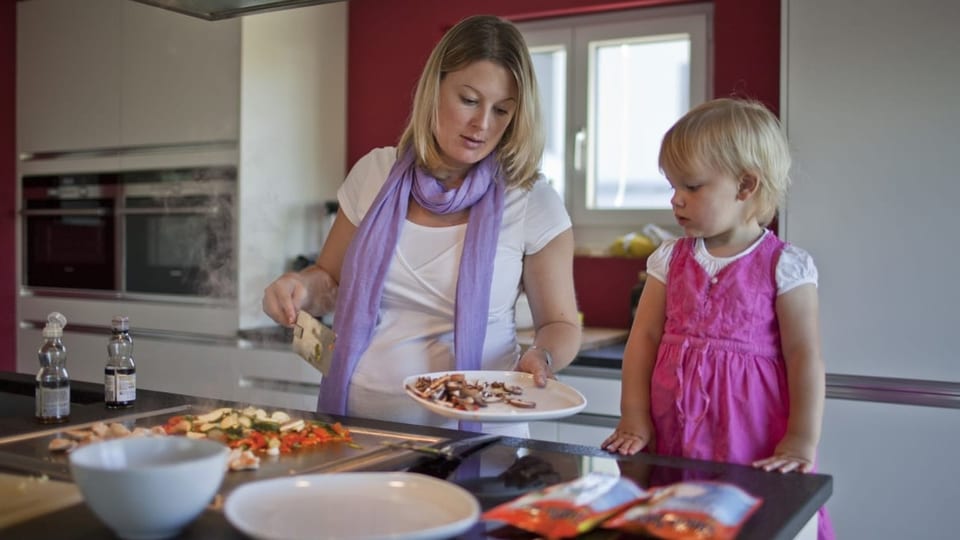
<point>737,137</point>
<point>481,37</point>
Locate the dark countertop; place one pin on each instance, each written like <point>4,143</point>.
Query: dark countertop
<point>789,500</point>
<point>609,356</point>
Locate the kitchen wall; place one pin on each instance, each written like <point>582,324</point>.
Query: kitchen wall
<point>746,34</point>
<point>746,49</point>
<point>8,287</point>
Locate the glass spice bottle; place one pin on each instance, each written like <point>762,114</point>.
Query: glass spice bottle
<point>53,383</point>
<point>120,373</point>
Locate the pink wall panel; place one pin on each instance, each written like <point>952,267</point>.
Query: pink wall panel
<point>8,152</point>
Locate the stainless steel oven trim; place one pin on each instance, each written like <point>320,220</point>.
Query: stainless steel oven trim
<point>191,210</point>
<point>144,333</point>
<point>179,188</point>
<point>897,391</point>
<point>67,212</point>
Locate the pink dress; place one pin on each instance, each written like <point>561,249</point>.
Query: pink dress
<point>719,387</point>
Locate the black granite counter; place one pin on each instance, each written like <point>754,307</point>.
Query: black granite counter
<point>789,500</point>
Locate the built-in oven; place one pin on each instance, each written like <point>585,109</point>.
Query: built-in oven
<point>70,232</point>
<point>178,231</point>
<point>148,233</point>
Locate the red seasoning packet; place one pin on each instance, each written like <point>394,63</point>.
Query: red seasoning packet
<point>689,511</point>
<point>571,508</point>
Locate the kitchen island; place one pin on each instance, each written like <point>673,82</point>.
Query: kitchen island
<point>789,500</point>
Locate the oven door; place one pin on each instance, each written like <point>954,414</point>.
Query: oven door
<point>179,245</point>
<point>69,243</point>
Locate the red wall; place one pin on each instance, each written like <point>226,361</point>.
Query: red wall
<point>8,152</point>
<point>386,56</point>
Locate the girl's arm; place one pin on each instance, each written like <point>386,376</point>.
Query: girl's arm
<point>635,430</point>
<point>548,282</point>
<point>798,313</point>
<point>313,289</point>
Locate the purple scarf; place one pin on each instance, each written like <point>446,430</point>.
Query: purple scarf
<point>363,274</point>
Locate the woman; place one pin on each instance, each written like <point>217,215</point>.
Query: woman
<point>435,239</point>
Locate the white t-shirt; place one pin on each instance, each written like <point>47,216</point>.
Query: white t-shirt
<point>414,333</point>
<point>794,268</point>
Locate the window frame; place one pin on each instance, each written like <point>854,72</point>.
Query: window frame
<point>576,34</point>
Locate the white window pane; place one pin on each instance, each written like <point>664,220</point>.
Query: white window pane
<point>550,65</point>
<point>641,87</point>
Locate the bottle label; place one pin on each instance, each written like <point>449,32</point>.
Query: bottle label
<point>120,387</point>
<point>53,402</point>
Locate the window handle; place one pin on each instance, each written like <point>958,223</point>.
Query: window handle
<point>579,141</point>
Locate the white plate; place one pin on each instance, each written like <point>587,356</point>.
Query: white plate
<point>357,505</point>
<point>556,400</point>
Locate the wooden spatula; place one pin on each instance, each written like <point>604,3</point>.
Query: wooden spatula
<point>313,341</point>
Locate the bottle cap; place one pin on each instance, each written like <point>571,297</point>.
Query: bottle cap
<point>55,323</point>
<point>120,322</point>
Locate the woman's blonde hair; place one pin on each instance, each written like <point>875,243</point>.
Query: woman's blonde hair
<point>481,37</point>
<point>737,137</point>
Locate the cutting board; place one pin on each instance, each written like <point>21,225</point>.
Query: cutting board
<point>26,497</point>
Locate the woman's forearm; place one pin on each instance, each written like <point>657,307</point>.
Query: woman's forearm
<point>562,339</point>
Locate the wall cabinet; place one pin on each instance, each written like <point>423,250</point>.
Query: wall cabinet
<point>113,73</point>
<point>155,89</point>
<point>68,75</point>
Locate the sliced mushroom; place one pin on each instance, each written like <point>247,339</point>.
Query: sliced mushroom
<point>62,445</point>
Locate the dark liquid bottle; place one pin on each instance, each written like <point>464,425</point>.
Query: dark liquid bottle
<point>120,373</point>
<point>53,382</point>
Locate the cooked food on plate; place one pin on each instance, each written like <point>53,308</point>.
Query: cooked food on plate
<point>455,391</point>
<point>249,432</point>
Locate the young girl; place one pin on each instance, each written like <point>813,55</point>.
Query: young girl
<point>723,360</point>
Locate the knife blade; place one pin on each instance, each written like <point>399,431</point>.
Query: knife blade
<point>452,455</point>
<point>313,341</point>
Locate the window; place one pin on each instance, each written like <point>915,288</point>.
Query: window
<point>611,85</point>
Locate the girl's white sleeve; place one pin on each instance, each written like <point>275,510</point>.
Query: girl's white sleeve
<point>658,263</point>
<point>795,268</point>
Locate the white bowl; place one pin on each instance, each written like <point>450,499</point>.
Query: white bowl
<point>149,487</point>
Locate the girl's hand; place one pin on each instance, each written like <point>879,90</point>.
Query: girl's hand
<point>792,454</point>
<point>629,438</point>
<point>784,463</point>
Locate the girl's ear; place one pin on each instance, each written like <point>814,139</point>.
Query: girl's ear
<point>748,186</point>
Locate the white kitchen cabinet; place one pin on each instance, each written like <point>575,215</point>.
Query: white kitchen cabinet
<point>580,430</point>
<point>179,78</point>
<point>216,371</point>
<point>113,73</point>
<point>68,75</point>
<point>601,388</point>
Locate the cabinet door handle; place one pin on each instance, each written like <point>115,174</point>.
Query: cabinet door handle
<point>579,143</point>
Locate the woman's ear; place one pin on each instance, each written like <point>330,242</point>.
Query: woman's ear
<point>748,186</point>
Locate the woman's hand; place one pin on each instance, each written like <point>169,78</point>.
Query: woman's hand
<point>312,289</point>
<point>283,298</point>
<point>536,362</point>
<point>630,437</point>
